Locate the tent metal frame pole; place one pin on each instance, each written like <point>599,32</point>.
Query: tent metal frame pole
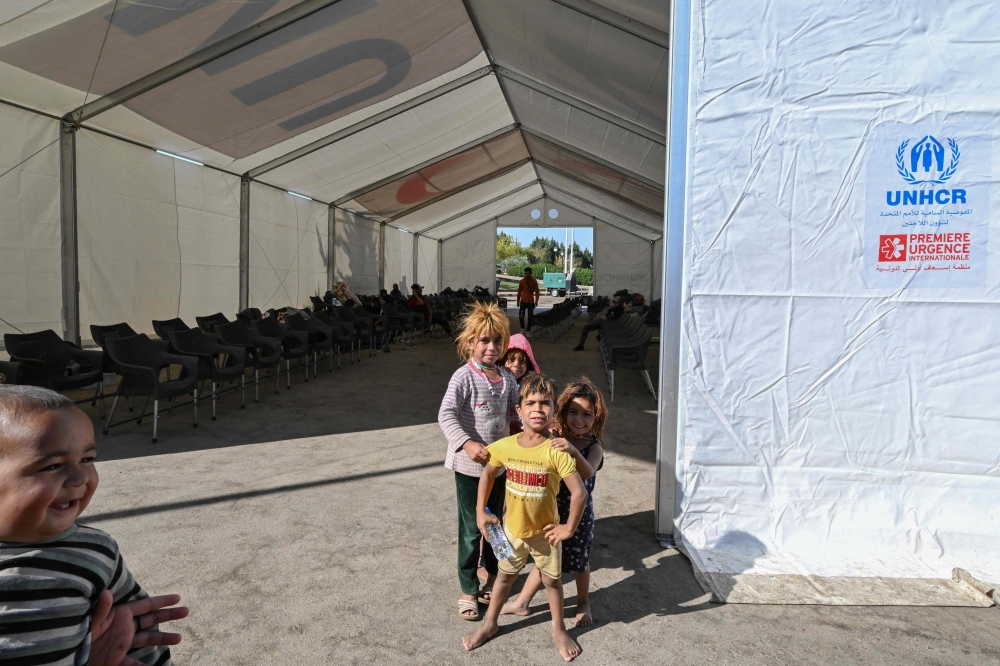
<point>468,186</point>
<point>611,194</point>
<point>581,105</point>
<point>489,56</point>
<point>470,209</point>
<point>668,426</point>
<point>244,243</point>
<point>617,225</point>
<point>423,165</point>
<point>198,59</point>
<point>331,243</point>
<point>69,238</point>
<point>416,257</point>
<point>381,255</point>
<point>610,17</point>
<point>440,266</point>
<point>371,121</point>
<point>603,162</point>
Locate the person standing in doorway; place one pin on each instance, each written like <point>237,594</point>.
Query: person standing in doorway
<point>527,298</point>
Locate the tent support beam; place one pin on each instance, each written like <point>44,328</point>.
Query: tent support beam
<point>440,266</point>
<point>198,59</point>
<point>604,163</point>
<point>244,243</point>
<point>489,56</point>
<point>416,257</point>
<point>423,165</point>
<point>331,244</point>
<point>69,245</point>
<point>565,174</point>
<point>615,20</point>
<point>549,186</point>
<point>381,255</point>
<point>371,121</point>
<point>668,428</point>
<point>468,210</point>
<point>580,105</point>
<point>458,190</point>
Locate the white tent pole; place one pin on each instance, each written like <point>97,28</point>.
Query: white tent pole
<point>493,266</point>
<point>572,243</point>
<point>668,428</point>
<point>244,243</point>
<point>593,221</point>
<point>565,256</point>
<point>440,266</point>
<point>70,256</point>
<point>381,255</point>
<point>416,257</point>
<point>652,269</point>
<point>331,242</point>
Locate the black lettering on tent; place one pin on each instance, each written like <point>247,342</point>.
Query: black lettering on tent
<point>394,55</point>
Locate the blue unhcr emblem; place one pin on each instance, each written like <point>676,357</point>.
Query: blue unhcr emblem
<point>927,155</point>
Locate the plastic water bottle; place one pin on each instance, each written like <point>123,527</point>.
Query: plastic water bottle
<point>495,535</point>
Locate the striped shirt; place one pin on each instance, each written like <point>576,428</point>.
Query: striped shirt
<point>47,593</point>
<point>475,408</point>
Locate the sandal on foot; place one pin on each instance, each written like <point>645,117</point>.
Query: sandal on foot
<point>486,594</point>
<point>468,610</point>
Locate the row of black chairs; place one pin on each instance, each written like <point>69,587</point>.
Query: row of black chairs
<point>556,320</point>
<point>624,344</point>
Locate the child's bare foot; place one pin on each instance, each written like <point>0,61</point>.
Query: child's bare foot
<point>583,617</point>
<point>474,639</point>
<point>567,646</point>
<point>517,606</point>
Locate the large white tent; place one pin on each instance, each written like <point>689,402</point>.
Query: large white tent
<point>369,141</point>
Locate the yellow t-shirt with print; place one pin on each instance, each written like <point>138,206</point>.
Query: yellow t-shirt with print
<point>533,477</point>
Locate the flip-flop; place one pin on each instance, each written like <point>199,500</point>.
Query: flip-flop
<point>464,608</point>
<point>486,593</point>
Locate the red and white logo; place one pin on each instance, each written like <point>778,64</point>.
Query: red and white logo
<point>892,247</point>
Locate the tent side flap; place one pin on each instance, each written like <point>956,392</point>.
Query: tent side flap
<point>427,265</point>
<point>469,259</point>
<point>30,271</point>
<point>623,261</point>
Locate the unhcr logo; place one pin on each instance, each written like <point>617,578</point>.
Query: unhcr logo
<point>924,164</point>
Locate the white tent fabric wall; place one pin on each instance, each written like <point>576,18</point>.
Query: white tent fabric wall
<point>393,257</point>
<point>356,247</point>
<point>288,248</point>
<point>469,259</point>
<point>405,275</point>
<point>829,427</point>
<point>622,260</point>
<point>30,270</point>
<point>427,265</point>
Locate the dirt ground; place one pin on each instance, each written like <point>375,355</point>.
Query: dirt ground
<point>318,527</point>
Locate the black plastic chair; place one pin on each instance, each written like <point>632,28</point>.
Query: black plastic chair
<point>217,363</point>
<point>10,372</point>
<point>49,361</point>
<point>208,324</point>
<point>320,336</point>
<point>343,334</point>
<point>249,316</point>
<point>165,327</point>
<point>140,363</point>
<point>294,344</point>
<point>260,352</point>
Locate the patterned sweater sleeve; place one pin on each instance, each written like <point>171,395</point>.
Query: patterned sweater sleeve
<point>450,416</point>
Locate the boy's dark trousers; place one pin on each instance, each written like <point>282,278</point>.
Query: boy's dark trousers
<point>469,539</point>
<point>521,307</point>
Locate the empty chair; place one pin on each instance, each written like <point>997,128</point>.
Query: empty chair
<point>165,327</point>
<point>343,334</point>
<point>216,362</point>
<point>294,344</point>
<point>49,361</point>
<point>209,323</point>
<point>140,363</point>
<point>262,353</point>
<point>249,316</point>
<point>10,372</point>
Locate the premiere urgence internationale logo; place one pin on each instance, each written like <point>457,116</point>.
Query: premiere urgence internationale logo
<point>892,247</point>
<point>925,164</point>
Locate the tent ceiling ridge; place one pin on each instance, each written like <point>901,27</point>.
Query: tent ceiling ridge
<point>473,183</point>
<point>198,59</point>
<point>373,120</point>
<point>423,165</point>
<point>614,19</point>
<point>489,56</point>
<point>581,105</point>
<point>615,195</point>
<point>477,206</point>
<point>603,162</point>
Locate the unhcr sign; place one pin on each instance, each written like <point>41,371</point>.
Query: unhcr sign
<point>927,206</point>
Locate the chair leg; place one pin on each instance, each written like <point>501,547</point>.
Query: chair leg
<point>196,407</point>
<point>338,358</point>
<point>214,398</point>
<point>612,373</point>
<point>256,384</point>
<point>100,390</point>
<point>156,417</point>
<point>170,405</point>
<point>243,392</point>
<point>288,373</point>
<point>111,414</point>
<point>277,378</point>
<point>331,358</point>
<point>131,405</point>
<point>143,412</point>
<point>315,364</point>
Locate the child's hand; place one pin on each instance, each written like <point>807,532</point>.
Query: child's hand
<point>482,520</point>
<point>561,444</point>
<point>477,452</point>
<point>556,534</point>
<point>117,629</point>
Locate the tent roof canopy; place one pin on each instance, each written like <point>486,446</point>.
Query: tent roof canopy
<point>432,116</point>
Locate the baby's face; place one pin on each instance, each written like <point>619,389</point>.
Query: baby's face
<point>47,474</point>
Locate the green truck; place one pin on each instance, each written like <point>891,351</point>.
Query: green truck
<point>554,283</point>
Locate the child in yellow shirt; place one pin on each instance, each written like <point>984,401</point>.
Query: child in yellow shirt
<point>531,523</point>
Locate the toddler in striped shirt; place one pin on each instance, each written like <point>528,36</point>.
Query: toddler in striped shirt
<point>66,596</point>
